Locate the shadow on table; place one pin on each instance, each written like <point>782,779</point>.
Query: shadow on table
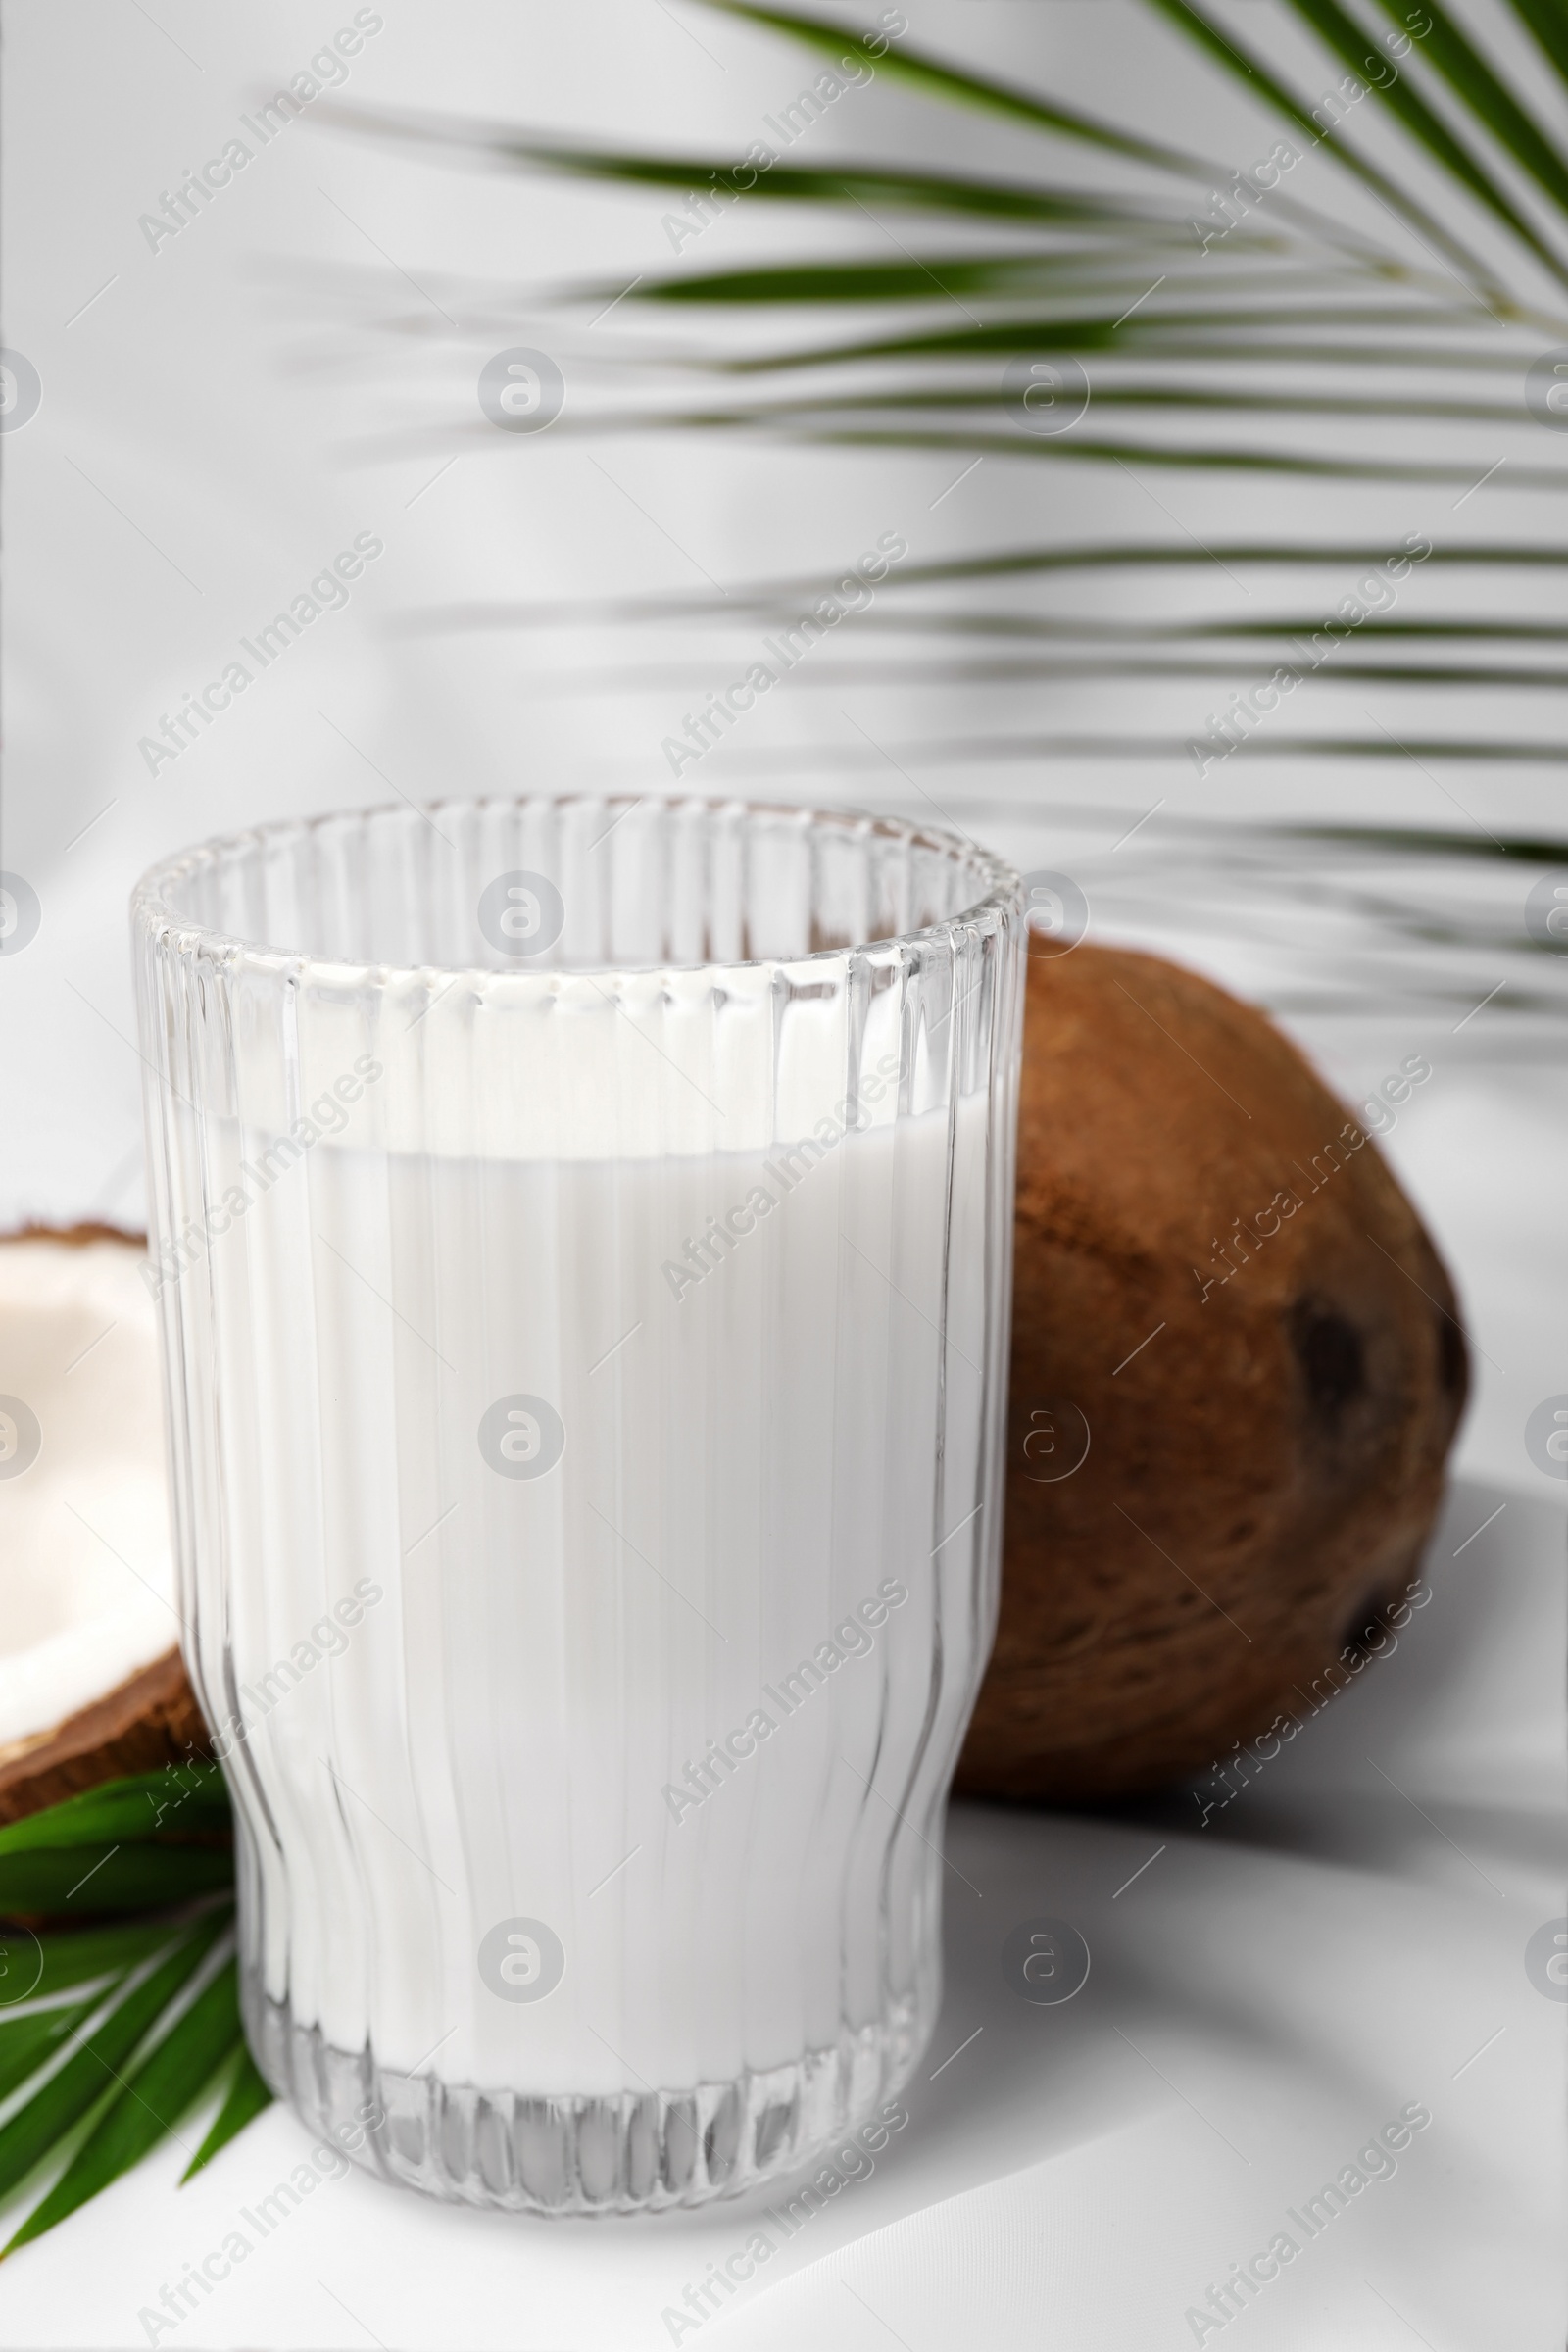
<point>1200,1939</point>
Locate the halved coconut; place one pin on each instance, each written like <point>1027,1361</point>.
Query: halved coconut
<point>91,1681</point>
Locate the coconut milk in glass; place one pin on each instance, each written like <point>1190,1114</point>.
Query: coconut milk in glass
<point>582,1242</point>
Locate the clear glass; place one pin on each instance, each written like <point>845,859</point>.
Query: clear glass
<point>582,1235</point>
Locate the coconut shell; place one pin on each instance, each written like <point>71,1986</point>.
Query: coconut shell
<point>1237,1369</point>
<point>149,1719</point>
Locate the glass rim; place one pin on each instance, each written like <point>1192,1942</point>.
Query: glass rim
<point>1001,885</point>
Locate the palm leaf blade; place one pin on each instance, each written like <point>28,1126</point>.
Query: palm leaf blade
<point>930,74</point>
<point>26,2041</point>
<point>1550,25</point>
<point>248,2095</point>
<point>145,1805</point>
<point>909,190</point>
<point>114,1878</point>
<point>1344,37</point>
<point>1472,78</point>
<point>67,2095</point>
<point>1249,71</point>
<point>77,1958</point>
<point>147,2105</point>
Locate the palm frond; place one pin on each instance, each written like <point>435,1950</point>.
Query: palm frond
<point>1474,84</point>
<point>93,2084</point>
<point>149,1804</point>
<point>147,2103</point>
<point>247,2095</point>
<point>92,2070</point>
<point>1547,21</point>
<point>1218,325</point>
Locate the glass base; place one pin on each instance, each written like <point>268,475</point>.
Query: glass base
<point>639,2151</point>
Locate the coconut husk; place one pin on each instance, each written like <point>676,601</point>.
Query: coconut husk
<point>1221,1290</point>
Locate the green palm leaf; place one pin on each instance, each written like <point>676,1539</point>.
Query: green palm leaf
<point>931,74</point>
<point>71,2092</point>
<point>1547,21</point>
<point>1192,314</point>
<point>1475,85</point>
<point>248,2093</point>
<point>912,190</point>
<point>111,1877</point>
<point>1398,94</point>
<point>129,2056</point>
<point>133,1845</point>
<point>29,2041</point>
<point>148,2104</point>
<point>50,1962</point>
<point>934,78</point>
<point>149,1804</point>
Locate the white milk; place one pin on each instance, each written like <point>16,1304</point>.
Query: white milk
<point>502,1730</point>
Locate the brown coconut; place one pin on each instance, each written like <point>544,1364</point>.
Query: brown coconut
<point>78,1349</point>
<point>1237,1368</point>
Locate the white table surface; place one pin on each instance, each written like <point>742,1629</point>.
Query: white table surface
<point>1346,1939</point>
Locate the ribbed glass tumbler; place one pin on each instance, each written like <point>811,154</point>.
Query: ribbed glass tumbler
<point>583,1233</point>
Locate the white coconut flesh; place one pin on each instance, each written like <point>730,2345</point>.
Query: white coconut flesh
<point>87,1578</point>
